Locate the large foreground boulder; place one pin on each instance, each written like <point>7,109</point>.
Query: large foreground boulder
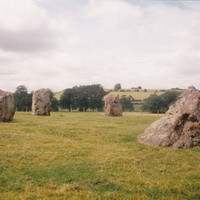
<point>113,106</point>
<point>41,102</point>
<point>7,106</point>
<point>180,127</point>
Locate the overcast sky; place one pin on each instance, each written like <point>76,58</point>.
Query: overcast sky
<point>58,44</point>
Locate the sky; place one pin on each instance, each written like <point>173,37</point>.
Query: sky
<point>59,44</point>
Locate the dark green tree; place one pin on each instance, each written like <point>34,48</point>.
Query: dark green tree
<point>83,98</point>
<point>161,103</point>
<point>96,94</point>
<point>54,104</point>
<point>23,100</point>
<point>68,99</point>
<point>169,97</point>
<point>156,104</point>
<point>90,96</point>
<point>153,104</point>
<point>117,87</point>
<point>127,103</point>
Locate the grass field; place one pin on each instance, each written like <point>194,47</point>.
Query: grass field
<point>141,95</point>
<point>90,156</point>
<point>58,94</point>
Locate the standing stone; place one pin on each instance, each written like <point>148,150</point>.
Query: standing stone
<point>180,127</point>
<point>113,106</point>
<point>7,106</point>
<point>41,104</point>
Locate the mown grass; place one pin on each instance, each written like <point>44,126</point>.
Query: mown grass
<point>90,156</point>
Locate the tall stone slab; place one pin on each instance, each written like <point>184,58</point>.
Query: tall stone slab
<point>113,106</point>
<point>41,102</point>
<point>180,127</point>
<point>7,106</point>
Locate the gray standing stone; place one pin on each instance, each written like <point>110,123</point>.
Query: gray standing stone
<point>7,106</point>
<point>41,104</point>
<point>180,127</point>
<point>113,106</point>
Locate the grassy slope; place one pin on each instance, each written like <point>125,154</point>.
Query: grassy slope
<point>58,94</point>
<point>141,95</point>
<point>90,156</point>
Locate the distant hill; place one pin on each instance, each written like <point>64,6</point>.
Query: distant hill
<point>57,95</point>
<point>137,94</point>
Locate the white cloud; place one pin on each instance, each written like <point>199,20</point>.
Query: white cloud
<point>59,44</point>
<point>25,27</point>
<point>112,13</point>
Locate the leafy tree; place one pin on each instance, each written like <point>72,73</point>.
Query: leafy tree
<point>161,103</point>
<point>96,94</point>
<point>68,99</point>
<point>169,98</point>
<point>126,103</point>
<point>23,100</point>
<point>90,96</point>
<point>83,98</point>
<point>156,104</point>
<point>21,89</point>
<point>117,87</point>
<point>54,104</point>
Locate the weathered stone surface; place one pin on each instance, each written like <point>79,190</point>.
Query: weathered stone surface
<point>7,106</point>
<point>113,106</point>
<point>180,127</point>
<point>41,104</point>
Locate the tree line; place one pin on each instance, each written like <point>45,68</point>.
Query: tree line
<point>161,103</point>
<point>23,99</point>
<point>79,98</point>
<point>91,97</point>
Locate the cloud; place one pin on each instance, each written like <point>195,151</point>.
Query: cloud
<point>186,63</point>
<point>59,44</point>
<point>112,13</point>
<point>25,27</point>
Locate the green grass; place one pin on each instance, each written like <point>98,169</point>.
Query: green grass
<point>91,156</point>
<point>58,94</point>
<point>141,95</point>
